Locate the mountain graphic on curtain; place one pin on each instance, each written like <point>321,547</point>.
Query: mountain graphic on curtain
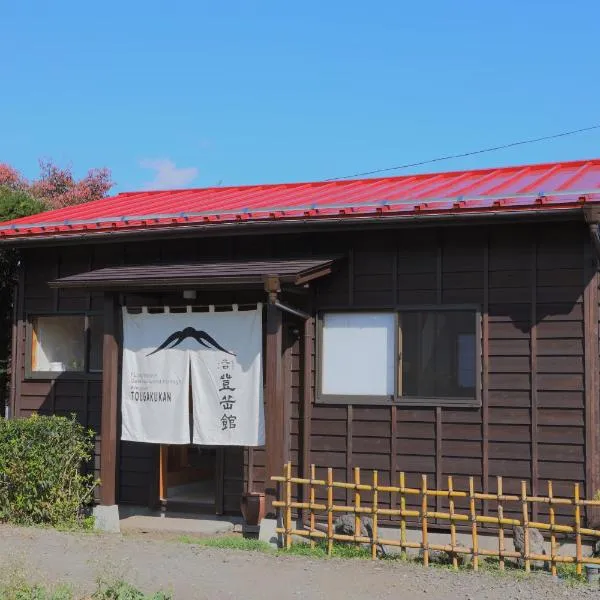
<point>189,333</point>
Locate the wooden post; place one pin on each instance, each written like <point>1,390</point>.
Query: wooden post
<point>485,371</point>
<point>307,385</point>
<point>108,431</point>
<point>592,385</point>
<point>162,473</point>
<point>275,410</point>
<point>533,343</point>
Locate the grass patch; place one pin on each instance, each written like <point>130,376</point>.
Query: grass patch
<point>338,550</point>
<point>19,589</point>
<point>121,590</point>
<point>253,545</point>
<point>490,565</point>
<point>568,572</point>
<point>229,543</point>
<point>24,591</point>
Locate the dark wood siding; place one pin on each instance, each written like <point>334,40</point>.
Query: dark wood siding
<point>529,281</point>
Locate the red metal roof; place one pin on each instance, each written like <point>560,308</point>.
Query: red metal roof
<point>553,186</point>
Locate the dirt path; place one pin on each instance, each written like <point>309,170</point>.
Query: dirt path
<point>196,572</point>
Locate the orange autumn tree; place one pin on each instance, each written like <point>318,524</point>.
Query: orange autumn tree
<point>56,186</point>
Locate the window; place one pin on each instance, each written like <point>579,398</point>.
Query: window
<point>65,344</point>
<point>420,356</point>
<point>358,354</point>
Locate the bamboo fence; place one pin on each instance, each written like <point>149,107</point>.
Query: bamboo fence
<point>363,492</point>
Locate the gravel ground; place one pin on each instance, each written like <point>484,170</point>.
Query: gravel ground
<point>188,571</point>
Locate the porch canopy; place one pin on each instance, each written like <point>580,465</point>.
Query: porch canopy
<point>251,273</point>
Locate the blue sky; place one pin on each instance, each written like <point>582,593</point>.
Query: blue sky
<point>199,93</point>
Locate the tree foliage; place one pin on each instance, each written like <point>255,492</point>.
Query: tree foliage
<point>55,187</point>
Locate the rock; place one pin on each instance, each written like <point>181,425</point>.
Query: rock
<point>344,525</point>
<point>536,545</point>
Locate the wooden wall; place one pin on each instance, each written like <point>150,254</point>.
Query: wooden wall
<point>530,281</point>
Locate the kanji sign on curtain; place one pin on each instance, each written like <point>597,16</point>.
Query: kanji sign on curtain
<point>155,381</point>
<point>223,350</point>
<point>227,385</point>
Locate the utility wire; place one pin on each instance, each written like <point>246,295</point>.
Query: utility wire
<point>450,156</point>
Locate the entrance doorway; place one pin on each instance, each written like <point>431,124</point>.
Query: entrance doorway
<point>191,478</point>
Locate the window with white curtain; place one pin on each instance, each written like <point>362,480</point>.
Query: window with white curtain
<point>358,354</point>
<point>411,356</point>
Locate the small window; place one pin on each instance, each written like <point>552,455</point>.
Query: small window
<point>58,344</point>
<point>411,356</point>
<point>65,344</point>
<point>358,354</point>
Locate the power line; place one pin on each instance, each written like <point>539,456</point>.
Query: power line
<point>462,155</point>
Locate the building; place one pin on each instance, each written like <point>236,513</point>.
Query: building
<point>444,324</point>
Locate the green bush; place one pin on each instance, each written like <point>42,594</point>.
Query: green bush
<point>42,479</point>
<point>120,590</point>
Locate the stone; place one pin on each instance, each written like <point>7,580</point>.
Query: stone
<point>344,525</point>
<point>536,545</point>
<point>268,534</point>
<point>106,518</point>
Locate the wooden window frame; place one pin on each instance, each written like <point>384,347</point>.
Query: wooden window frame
<point>397,399</point>
<point>86,373</point>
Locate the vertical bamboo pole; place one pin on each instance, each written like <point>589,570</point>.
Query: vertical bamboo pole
<point>312,503</point>
<point>329,510</point>
<point>402,516</point>
<point>357,527</point>
<point>288,506</point>
<point>552,534</point>
<point>375,504</point>
<point>500,509</point>
<point>578,558</point>
<point>452,522</point>
<point>525,510</point>
<point>424,520</point>
<point>473,515</point>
